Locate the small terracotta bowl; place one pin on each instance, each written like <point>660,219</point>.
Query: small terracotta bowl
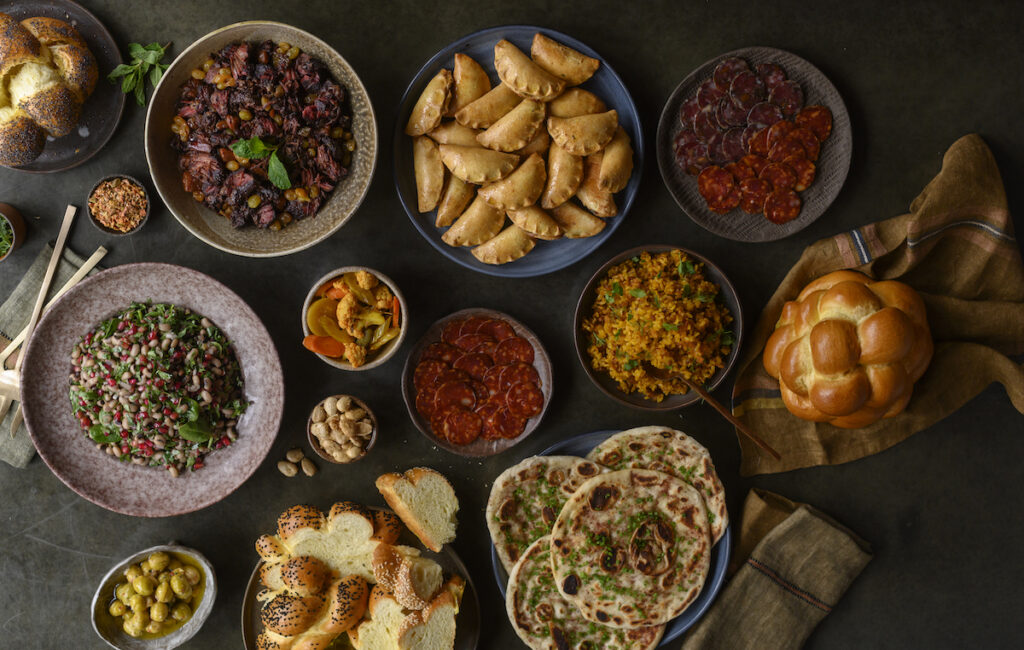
<point>389,349</point>
<point>110,231</point>
<point>11,215</point>
<point>314,442</point>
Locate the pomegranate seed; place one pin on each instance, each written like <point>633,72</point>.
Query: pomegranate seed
<point>125,449</point>
<point>124,435</point>
<point>159,383</point>
<point>163,429</point>
<point>134,329</point>
<point>81,402</point>
<point>121,326</point>
<point>148,452</point>
<point>167,410</point>
<point>225,441</point>
<point>117,416</point>
<point>152,335</point>
<point>96,409</point>
<point>111,382</point>
<point>131,381</point>
<point>198,465</point>
<point>173,416</point>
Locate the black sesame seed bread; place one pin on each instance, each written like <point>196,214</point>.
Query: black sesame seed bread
<point>545,620</point>
<point>68,52</point>
<point>631,548</point>
<point>389,626</point>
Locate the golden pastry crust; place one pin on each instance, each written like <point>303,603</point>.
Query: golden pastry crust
<point>598,201</point>
<point>565,174</point>
<point>471,83</point>
<point>520,188</point>
<point>535,222</point>
<point>431,105</point>
<point>585,134</point>
<point>575,102</point>
<point>480,222</point>
<point>576,222</point>
<point>454,133</point>
<point>488,109</point>
<point>524,76</point>
<point>456,196</point>
<point>562,61</point>
<point>616,163</point>
<point>507,246</point>
<point>477,164</point>
<point>429,172</point>
<point>515,129</point>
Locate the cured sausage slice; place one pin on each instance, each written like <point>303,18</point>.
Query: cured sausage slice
<point>486,413</point>
<point>482,392</point>
<point>427,372</point>
<point>693,157</point>
<point>497,329</point>
<point>475,364</point>
<point>740,171</point>
<point>780,175</point>
<point>718,188</point>
<point>778,131</point>
<point>805,172</point>
<point>517,373</point>
<point>715,151</point>
<point>454,393</point>
<point>505,424</point>
<point>492,379</point>
<point>771,73</point>
<point>753,193</point>
<point>749,132</point>
<point>467,342</point>
<point>442,352</point>
<point>688,111</point>
<point>732,144</point>
<point>472,325</point>
<point>817,119</point>
<point>450,374</point>
<point>462,427</point>
<point>764,114</point>
<point>705,124</point>
<point>437,419</point>
<point>782,206</point>
<point>425,402</point>
<point>452,331</point>
<point>486,348</point>
<point>809,141</point>
<point>758,143</point>
<point>785,148</point>
<point>755,162</point>
<point>512,350</point>
<point>524,400</point>
<point>746,89</point>
<point>684,137</point>
<point>727,69</point>
<point>729,114</point>
<point>788,96</point>
<point>708,94</point>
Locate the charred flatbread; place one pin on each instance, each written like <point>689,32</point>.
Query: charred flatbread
<point>544,620</point>
<point>526,499</point>
<point>631,548</point>
<point>673,452</point>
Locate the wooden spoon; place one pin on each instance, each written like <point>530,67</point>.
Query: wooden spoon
<point>661,373</point>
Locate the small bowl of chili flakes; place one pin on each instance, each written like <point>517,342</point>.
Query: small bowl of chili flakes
<point>118,205</point>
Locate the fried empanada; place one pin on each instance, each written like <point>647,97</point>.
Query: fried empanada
<point>456,196</point>
<point>479,223</point>
<point>539,145</point>
<point>522,75</point>
<point>600,202</point>
<point>429,171</point>
<point>576,222</point>
<point>516,128</point>
<point>471,83</point>
<point>520,189</point>
<point>509,245</point>
<point>477,164</point>
<point>488,109</point>
<point>431,105</point>
<point>565,173</point>
<point>616,163</point>
<point>583,135</point>
<point>535,222</point>
<point>562,61</point>
<point>455,133</point>
<point>575,102</point>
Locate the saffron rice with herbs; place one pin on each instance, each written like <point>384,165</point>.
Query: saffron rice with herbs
<point>661,309</point>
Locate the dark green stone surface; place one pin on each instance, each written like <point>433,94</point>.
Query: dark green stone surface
<point>941,509</point>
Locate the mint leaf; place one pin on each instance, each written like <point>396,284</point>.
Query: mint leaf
<point>140,94</point>
<point>251,148</point>
<point>137,51</point>
<point>97,434</point>
<point>198,431</point>
<point>120,71</point>
<point>154,75</point>
<point>638,293</point>
<point>277,174</point>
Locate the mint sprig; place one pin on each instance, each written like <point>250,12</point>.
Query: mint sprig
<point>255,148</point>
<point>145,64</point>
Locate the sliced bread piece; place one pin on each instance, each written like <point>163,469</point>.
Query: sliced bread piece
<point>380,629</point>
<point>413,580</point>
<point>433,628</point>
<point>426,503</point>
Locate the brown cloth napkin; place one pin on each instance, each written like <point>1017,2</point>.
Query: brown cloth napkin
<point>956,247</point>
<point>792,564</point>
<point>14,315</point>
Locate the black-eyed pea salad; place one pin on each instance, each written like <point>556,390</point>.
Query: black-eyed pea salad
<point>352,317</point>
<point>158,595</point>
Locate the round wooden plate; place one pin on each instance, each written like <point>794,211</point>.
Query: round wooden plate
<point>832,165</point>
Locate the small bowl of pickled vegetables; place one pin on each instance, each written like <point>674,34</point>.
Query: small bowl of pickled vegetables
<point>354,318</point>
<point>157,598</point>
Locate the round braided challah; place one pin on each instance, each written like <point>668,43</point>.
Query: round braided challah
<point>46,74</point>
<point>849,349</point>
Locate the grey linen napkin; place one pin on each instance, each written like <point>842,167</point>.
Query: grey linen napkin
<point>792,565</point>
<point>14,315</point>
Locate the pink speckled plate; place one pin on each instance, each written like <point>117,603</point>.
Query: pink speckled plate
<point>131,489</point>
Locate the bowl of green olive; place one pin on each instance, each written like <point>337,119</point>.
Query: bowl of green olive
<point>157,599</point>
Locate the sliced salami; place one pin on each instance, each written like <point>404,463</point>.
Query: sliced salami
<point>462,427</point>
<point>727,70</point>
<point>708,94</point>
<point>442,352</point>
<point>749,132</point>
<point>487,348</point>
<point>438,417</point>
<point>688,111</point>
<point>780,175</point>
<point>472,325</point>
<point>764,114</point>
<point>732,144</point>
<point>454,393</point>
<point>467,342</point>
<point>427,372</point>
<point>524,400</point>
<point>513,350</point>
<point>785,148</point>
<point>473,364</point>
<point>788,96</point>
<point>705,124</point>
<point>715,184</point>
<point>755,162</point>
<point>480,389</point>
<point>817,119</point>
<point>805,171</point>
<point>778,131</point>
<point>497,329</point>
<point>492,379</point>
<point>452,331</point>
<point>505,424</point>
<point>740,171</point>
<point>753,193</point>
<point>758,144</point>
<point>772,74</point>
<point>810,142</point>
<point>782,206</point>
<point>693,158</point>
<point>683,138</point>
<point>715,150</point>
<point>450,374</point>
<point>518,373</point>
<point>729,115</point>
<point>425,402</point>
<point>486,411</point>
<point>746,90</point>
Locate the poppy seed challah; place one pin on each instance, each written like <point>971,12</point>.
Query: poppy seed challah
<point>46,73</point>
<point>848,350</point>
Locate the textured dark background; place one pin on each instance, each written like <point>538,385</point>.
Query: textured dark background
<point>941,509</point>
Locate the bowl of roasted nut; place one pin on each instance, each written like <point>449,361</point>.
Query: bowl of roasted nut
<point>342,429</point>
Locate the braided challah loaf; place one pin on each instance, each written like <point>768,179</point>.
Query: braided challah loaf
<point>46,73</point>
<point>849,349</point>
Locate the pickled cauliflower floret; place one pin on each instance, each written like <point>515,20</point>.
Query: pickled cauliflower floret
<point>355,354</point>
<point>382,297</point>
<point>348,312</point>
<point>365,279</point>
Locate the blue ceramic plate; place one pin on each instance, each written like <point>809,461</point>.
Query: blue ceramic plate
<point>547,256</point>
<point>581,446</point>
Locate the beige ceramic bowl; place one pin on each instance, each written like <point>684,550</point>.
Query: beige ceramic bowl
<point>385,352</point>
<point>208,225</point>
<point>314,442</point>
